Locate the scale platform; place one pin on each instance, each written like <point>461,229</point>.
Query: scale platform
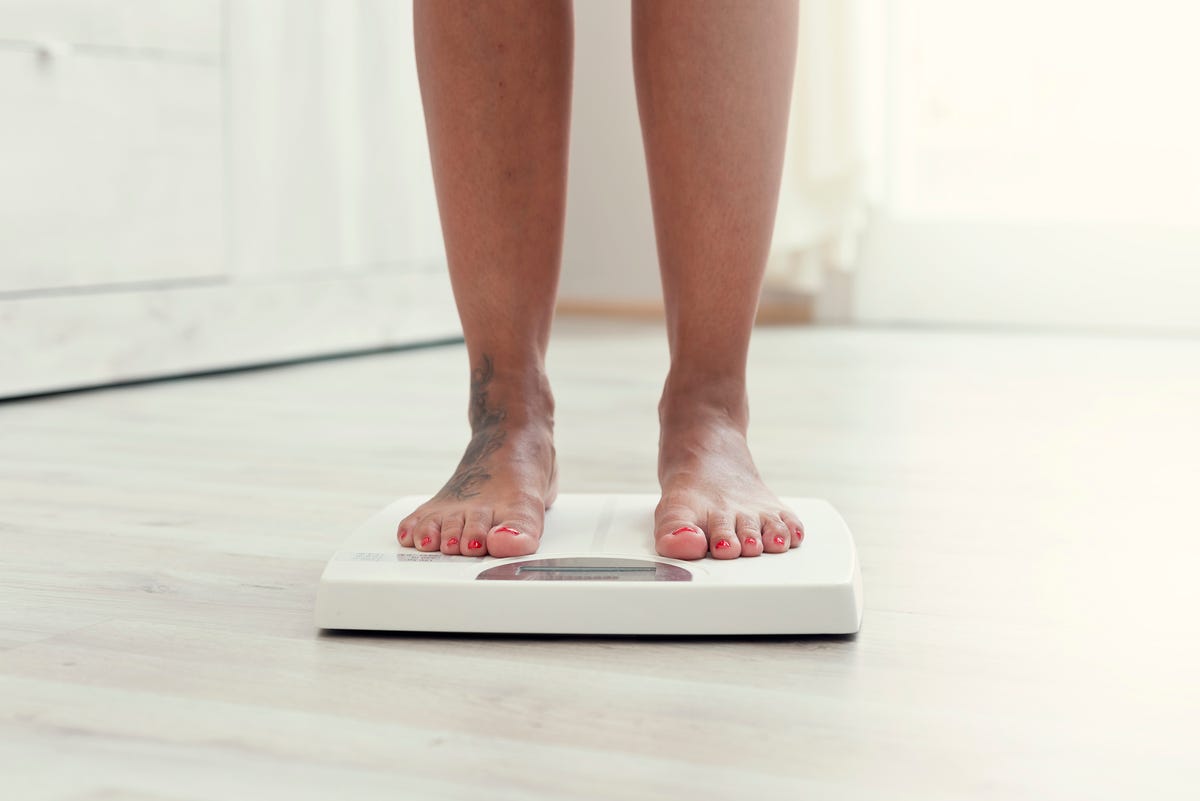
<point>596,573</point>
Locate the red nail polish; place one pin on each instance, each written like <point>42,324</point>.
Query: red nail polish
<point>474,544</point>
<point>426,540</point>
<point>780,541</point>
<point>685,528</point>
<point>512,531</point>
<point>402,533</point>
<point>452,541</point>
<point>721,544</point>
<point>750,540</point>
<point>800,534</point>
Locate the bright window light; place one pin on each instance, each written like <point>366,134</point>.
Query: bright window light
<point>1044,110</point>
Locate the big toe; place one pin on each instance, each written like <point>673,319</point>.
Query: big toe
<point>508,540</point>
<point>517,532</point>
<point>677,535</point>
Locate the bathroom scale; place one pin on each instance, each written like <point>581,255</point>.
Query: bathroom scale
<point>596,572</point>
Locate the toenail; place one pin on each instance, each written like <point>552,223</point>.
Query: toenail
<point>474,544</point>
<point>750,540</point>
<point>688,529</point>
<point>512,531</point>
<point>452,541</point>
<point>426,540</point>
<point>780,541</point>
<point>800,534</point>
<point>720,544</point>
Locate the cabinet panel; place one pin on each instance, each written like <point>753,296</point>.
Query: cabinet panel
<point>182,27</point>
<point>112,170</point>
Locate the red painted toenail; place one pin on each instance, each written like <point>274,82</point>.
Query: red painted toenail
<point>426,540</point>
<point>721,544</point>
<point>800,534</point>
<point>688,529</point>
<point>474,544</point>
<point>452,541</point>
<point>780,541</point>
<point>512,531</point>
<point>750,540</point>
<point>402,533</point>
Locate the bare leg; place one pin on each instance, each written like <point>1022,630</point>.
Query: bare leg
<point>496,87</point>
<point>714,82</point>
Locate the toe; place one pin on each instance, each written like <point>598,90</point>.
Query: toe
<point>518,529</point>
<point>677,535</point>
<point>723,540</point>
<point>749,533</point>
<point>507,539</point>
<point>452,529</point>
<point>794,526</point>
<point>426,534</point>
<point>776,536</point>
<point>404,531</point>
<point>473,540</point>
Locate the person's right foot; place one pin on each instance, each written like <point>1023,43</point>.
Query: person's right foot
<point>496,501</point>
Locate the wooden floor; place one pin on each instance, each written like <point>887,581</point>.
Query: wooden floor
<point>1024,506</point>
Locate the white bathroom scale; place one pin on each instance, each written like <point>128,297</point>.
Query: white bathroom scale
<point>596,572</point>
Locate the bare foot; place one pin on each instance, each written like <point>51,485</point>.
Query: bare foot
<point>713,499</point>
<point>496,501</point>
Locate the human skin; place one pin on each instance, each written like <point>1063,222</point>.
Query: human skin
<point>713,80</point>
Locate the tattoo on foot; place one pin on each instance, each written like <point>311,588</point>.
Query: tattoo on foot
<point>487,435</point>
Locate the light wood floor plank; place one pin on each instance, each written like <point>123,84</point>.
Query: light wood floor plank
<point>1024,508</point>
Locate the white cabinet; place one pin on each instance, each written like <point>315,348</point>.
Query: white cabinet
<point>111,143</point>
<point>197,185</point>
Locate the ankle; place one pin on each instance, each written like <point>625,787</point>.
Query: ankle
<point>687,399</point>
<point>517,395</point>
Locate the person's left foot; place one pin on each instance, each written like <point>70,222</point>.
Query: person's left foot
<point>713,499</point>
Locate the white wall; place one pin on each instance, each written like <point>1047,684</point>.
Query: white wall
<point>609,254</point>
<point>610,257</point>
